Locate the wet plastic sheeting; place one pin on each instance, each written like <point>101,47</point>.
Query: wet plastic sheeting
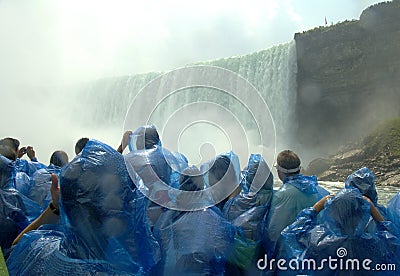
<point>364,180</point>
<point>194,243</point>
<point>340,236</point>
<point>247,209</point>
<point>103,228</point>
<point>16,211</point>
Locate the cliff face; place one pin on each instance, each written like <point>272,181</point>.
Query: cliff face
<point>348,78</point>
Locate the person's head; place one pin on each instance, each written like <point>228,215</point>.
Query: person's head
<point>257,167</point>
<point>8,152</point>
<point>347,213</point>
<point>59,158</point>
<point>287,164</point>
<point>10,142</point>
<point>80,144</point>
<point>191,179</point>
<point>146,137</point>
<point>218,169</point>
<point>363,180</point>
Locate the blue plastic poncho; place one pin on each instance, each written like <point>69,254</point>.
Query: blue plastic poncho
<point>297,192</point>
<point>103,226</point>
<point>153,169</point>
<point>364,180</point>
<point>193,243</point>
<point>340,237</point>
<point>40,183</point>
<point>222,173</point>
<point>23,171</point>
<point>28,167</point>
<point>393,209</point>
<point>16,211</point>
<point>247,209</point>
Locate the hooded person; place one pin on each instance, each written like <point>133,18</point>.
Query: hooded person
<point>103,227</point>
<point>364,180</point>
<point>16,211</point>
<point>193,242</point>
<point>153,169</point>
<point>222,176</point>
<point>341,237</point>
<point>297,192</point>
<point>247,209</point>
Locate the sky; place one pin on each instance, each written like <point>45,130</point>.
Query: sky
<point>47,43</point>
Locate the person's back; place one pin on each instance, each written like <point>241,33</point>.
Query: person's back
<point>341,236</point>
<point>297,192</point>
<point>247,209</point>
<point>193,242</point>
<point>153,168</point>
<point>40,182</point>
<point>103,225</point>
<point>13,215</point>
<point>364,180</point>
<point>222,177</point>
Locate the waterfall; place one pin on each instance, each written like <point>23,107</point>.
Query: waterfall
<point>272,72</point>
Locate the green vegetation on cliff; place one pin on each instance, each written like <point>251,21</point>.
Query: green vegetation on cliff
<point>379,151</point>
<point>385,139</point>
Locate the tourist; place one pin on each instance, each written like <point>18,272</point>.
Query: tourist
<point>297,192</point>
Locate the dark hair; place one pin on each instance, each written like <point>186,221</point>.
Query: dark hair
<point>80,144</point>
<point>289,160</point>
<point>10,142</point>
<point>220,167</point>
<point>59,158</point>
<point>8,152</point>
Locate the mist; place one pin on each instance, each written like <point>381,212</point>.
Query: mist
<point>51,49</point>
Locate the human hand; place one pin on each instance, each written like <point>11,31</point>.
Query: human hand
<point>55,190</point>
<point>21,152</point>
<point>30,152</point>
<point>125,139</point>
<point>375,214</point>
<point>320,205</point>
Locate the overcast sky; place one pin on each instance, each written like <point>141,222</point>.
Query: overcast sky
<point>48,42</point>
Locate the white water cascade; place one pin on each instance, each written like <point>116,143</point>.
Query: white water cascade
<point>272,72</point>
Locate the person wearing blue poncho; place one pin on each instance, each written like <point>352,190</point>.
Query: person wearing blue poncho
<point>16,211</point>
<point>364,180</point>
<point>340,246</point>
<point>247,209</point>
<point>222,175</point>
<point>153,168</point>
<point>40,182</point>
<point>297,192</point>
<point>193,242</point>
<point>103,227</point>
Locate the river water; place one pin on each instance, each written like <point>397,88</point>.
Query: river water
<point>385,193</point>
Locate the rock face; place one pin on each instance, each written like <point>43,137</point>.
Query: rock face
<point>379,151</point>
<point>348,78</point>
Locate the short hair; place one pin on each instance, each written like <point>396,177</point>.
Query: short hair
<point>8,152</point>
<point>10,142</point>
<point>59,158</point>
<point>288,160</point>
<point>80,144</point>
